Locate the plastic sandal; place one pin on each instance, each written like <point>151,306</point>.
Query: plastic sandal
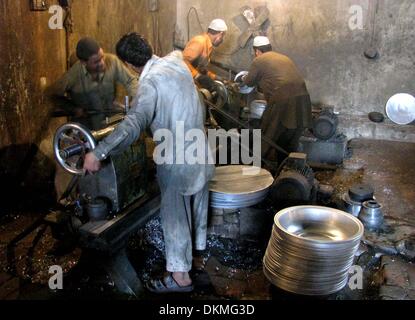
<point>167,285</point>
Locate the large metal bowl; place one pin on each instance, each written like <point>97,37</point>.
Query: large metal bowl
<point>319,225</point>
<point>312,249</point>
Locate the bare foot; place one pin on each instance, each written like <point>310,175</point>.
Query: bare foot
<point>182,279</point>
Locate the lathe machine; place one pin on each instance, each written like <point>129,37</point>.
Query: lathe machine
<point>105,208</point>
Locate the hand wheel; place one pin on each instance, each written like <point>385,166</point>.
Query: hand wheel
<point>71,143</point>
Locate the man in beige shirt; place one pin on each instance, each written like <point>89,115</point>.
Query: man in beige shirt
<point>88,90</point>
<point>289,105</point>
<point>87,93</point>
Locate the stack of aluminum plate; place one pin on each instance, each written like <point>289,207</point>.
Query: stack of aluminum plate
<point>312,249</point>
<point>237,187</point>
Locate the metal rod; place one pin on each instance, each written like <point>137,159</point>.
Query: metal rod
<point>127,104</point>
<point>101,134</point>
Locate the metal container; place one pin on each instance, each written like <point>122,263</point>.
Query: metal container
<point>401,109</point>
<point>237,187</point>
<point>372,215</point>
<point>244,89</point>
<point>97,210</point>
<point>351,206</point>
<point>258,108</point>
<point>312,250</point>
<point>361,193</point>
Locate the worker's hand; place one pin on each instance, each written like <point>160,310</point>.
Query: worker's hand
<point>91,163</point>
<point>206,82</point>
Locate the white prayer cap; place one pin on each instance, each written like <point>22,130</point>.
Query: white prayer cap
<point>218,25</point>
<point>261,41</point>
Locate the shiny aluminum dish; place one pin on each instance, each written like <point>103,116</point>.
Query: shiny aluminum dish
<point>237,187</point>
<point>240,201</point>
<point>312,249</point>
<point>401,109</point>
<point>319,225</point>
<point>258,108</point>
<point>243,89</point>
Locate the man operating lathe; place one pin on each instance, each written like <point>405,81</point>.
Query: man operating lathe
<point>88,89</point>
<point>289,106</point>
<point>87,93</point>
<point>198,52</point>
<point>167,102</point>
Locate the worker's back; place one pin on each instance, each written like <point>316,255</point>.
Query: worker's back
<point>278,76</point>
<point>178,110</point>
<point>177,97</point>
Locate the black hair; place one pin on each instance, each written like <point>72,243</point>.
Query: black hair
<point>213,32</point>
<point>264,49</point>
<point>134,49</point>
<point>86,48</point>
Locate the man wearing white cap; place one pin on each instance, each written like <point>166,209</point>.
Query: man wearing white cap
<point>198,51</point>
<point>289,105</point>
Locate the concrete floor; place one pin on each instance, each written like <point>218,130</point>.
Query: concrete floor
<point>233,267</point>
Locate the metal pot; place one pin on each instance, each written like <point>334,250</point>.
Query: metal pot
<point>97,210</point>
<point>352,207</point>
<point>372,215</point>
<point>258,108</point>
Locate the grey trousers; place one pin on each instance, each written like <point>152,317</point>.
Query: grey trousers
<point>184,223</point>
